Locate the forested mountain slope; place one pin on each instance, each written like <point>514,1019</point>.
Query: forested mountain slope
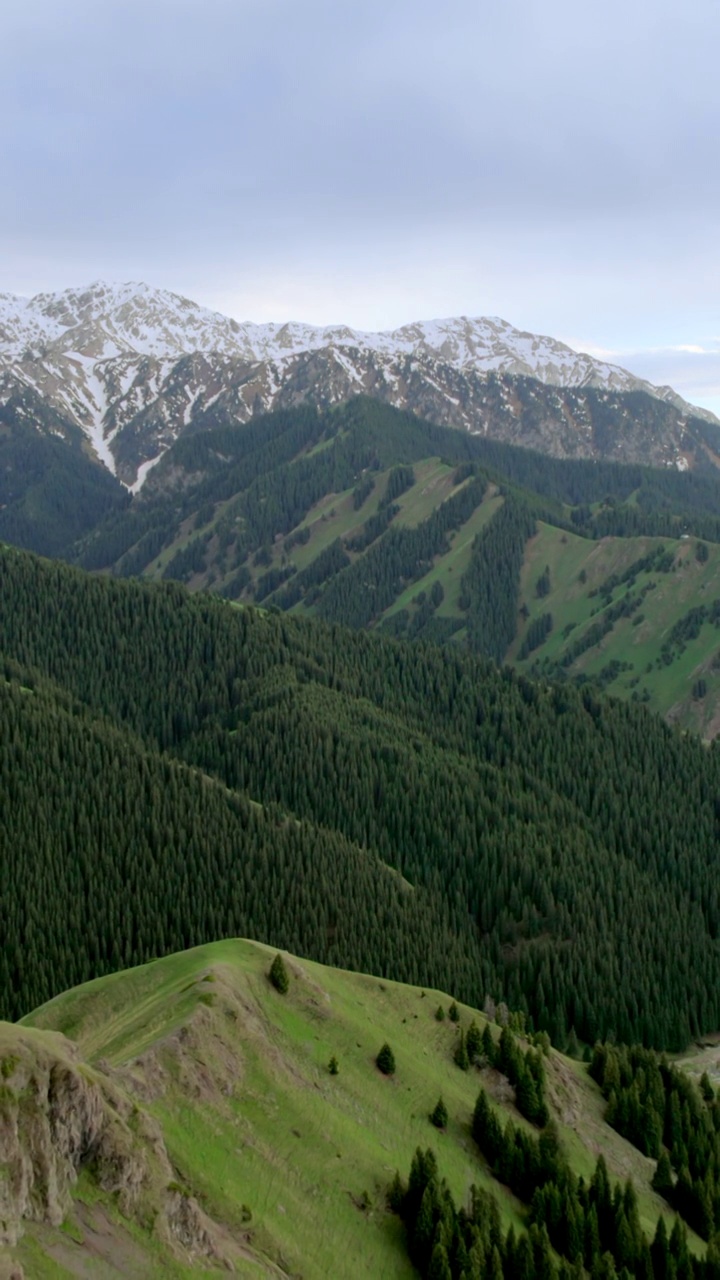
<point>259,774</point>
<point>51,490</point>
<point>374,518</point>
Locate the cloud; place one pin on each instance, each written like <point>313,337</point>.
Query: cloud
<point>692,369</point>
<point>299,117</point>
<point>374,163</point>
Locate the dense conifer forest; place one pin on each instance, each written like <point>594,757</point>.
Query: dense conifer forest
<point>51,492</point>
<point>669,1118</point>
<point>175,769</point>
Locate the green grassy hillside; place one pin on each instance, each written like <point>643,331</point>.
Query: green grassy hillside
<point>662,650</point>
<point>287,1164</point>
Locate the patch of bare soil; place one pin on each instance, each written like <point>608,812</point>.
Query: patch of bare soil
<point>107,1251</point>
<point>498,1086</point>
<point>563,1092</point>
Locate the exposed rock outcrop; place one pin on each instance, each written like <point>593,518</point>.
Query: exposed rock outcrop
<point>58,1118</point>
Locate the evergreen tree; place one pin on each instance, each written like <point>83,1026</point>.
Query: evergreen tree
<point>278,975</point>
<point>439,1268</point>
<point>439,1115</point>
<point>474,1042</point>
<point>397,1192</point>
<point>460,1055</point>
<point>488,1046</point>
<point>662,1180</point>
<point>385,1060</point>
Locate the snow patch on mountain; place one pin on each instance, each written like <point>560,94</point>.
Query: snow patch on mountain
<point>105,321</point>
<point>142,473</point>
<point>127,358</point>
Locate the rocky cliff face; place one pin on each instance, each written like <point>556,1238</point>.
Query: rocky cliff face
<point>60,1118</point>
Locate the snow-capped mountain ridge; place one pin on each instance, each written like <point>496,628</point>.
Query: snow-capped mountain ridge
<point>136,366</point>
<point>104,321</point>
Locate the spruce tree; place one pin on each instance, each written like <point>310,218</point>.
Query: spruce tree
<point>488,1046</point>
<point>659,1250</point>
<point>473,1042</point>
<point>278,975</point>
<point>461,1054</point>
<point>495,1267</point>
<point>396,1193</point>
<point>385,1060</point>
<point>662,1180</point>
<point>439,1265</point>
<point>439,1116</point>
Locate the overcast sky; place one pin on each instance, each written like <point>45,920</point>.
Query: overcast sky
<point>377,162</point>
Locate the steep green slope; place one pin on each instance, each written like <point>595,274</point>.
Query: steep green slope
<point>245,497</point>
<point>637,616</point>
<point>282,1165</point>
<point>562,849</point>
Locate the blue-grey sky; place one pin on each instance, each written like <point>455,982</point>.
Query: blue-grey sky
<point>553,163</point>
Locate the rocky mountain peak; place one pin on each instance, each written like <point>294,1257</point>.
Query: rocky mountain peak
<point>113,359</point>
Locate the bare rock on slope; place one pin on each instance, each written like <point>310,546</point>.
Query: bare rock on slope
<point>59,1117</point>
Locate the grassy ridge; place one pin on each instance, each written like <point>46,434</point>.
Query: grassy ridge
<point>236,1075</point>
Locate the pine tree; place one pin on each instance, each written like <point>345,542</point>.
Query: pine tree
<point>662,1180</point>
<point>495,1267</point>
<point>486,1128</point>
<point>473,1042</point>
<point>660,1252</point>
<point>439,1265</point>
<point>706,1088</point>
<point>385,1060</point>
<point>396,1193</point>
<point>439,1115</point>
<point>278,975</point>
<point>422,1231</point>
<point>460,1055</point>
<point>333,1066</point>
<point>604,1268</point>
<point>454,1012</point>
<point>488,1046</point>
<point>422,1169</point>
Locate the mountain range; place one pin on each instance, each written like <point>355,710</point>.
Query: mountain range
<point>134,368</point>
<point>402,768</point>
